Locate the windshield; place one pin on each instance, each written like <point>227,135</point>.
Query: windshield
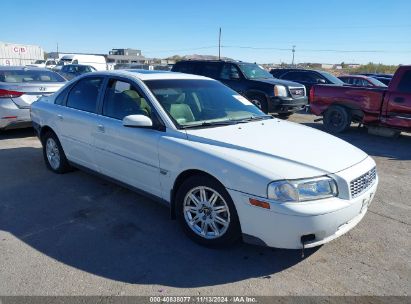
<point>39,61</point>
<point>253,71</point>
<point>376,82</point>
<point>27,75</point>
<point>196,103</point>
<point>332,78</point>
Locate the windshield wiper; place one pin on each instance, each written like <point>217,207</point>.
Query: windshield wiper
<point>210,124</point>
<point>254,118</point>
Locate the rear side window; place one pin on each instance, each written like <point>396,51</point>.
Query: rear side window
<point>29,76</point>
<point>210,70</point>
<point>405,83</point>
<point>83,95</point>
<point>61,98</point>
<point>186,67</point>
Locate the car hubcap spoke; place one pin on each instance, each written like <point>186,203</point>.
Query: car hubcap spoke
<point>52,153</point>
<point>206,212</point>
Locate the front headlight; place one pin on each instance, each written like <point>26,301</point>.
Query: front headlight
<point>280,91</point>
<point>302,190</point>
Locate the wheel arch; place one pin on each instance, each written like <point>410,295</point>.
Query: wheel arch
<point>355,110</point>
<point>183,176</point>
<point>44,130</point>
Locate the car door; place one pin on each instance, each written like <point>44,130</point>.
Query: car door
<point>232,77</point>
<point>398,108</point>
<point>127,154</point>
<point>76,120</point>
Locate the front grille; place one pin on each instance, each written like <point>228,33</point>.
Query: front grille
<point>363,183</point>
<point>297,92</point>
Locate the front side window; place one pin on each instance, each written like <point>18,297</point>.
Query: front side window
<point>331,78</point>
<point>122,99</point>
<point>253,71</point>
<point>194,103</point>
<point>83,96</point>
<point>229,71</point>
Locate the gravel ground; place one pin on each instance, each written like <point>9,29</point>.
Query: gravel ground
<point>76,234</point>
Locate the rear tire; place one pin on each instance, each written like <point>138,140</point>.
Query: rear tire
<point>337,119</point>
<point>207,213</point>
<point>53,154</point>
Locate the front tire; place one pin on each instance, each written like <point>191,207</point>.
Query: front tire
<point>260,102</point>
<point>53,154</point>
<point>207,213</point>
<point>285,115</point>
<point>337,119</point>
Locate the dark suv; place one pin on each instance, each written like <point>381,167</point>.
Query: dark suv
<point>250,80</point>
<point>306,77</point>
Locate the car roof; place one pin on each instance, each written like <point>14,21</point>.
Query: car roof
<point>294,69</point>
<point>150,75</point>
<point>17,68</point>
<point>355,76</point>
<point>213,61</point>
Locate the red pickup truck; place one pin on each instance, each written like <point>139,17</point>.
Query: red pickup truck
<point>378,108</point>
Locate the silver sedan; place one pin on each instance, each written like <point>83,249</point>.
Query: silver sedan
<point>19,88</point>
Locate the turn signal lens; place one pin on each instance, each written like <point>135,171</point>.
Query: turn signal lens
<point>258,203</point>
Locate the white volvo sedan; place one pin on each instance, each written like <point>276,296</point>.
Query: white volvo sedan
<point>227,170</point>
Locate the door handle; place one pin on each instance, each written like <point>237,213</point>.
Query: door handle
<point>100,128</point>
<point>60,116</point>
<point>399,99</point>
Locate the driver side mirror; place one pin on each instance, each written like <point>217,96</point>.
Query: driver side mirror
<point>137,121</point>
<point>321,81</point>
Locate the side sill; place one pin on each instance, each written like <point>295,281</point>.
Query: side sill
<point>122,184</point>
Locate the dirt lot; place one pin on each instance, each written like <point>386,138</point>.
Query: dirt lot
<point>76,234</point>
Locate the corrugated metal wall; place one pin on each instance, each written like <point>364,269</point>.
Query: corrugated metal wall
<point>19,54</point>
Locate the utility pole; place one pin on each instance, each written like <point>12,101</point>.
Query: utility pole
<point>293,50</point>
<point>219,44</point>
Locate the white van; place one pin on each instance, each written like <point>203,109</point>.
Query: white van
<point>96,61</point>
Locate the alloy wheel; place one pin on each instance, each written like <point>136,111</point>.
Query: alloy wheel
<point>206,212</point>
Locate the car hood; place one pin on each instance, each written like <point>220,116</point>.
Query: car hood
<point>275,81</point>
<point>278,149</point>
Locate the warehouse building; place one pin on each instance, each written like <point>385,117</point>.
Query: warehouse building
<point>19,54</point>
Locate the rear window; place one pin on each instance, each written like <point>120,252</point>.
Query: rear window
<point>27,75</point>
<point>405,83</point>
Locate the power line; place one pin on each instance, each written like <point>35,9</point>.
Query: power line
<point>313,50</point>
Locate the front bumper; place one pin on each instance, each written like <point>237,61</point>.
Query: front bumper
<point>286,104</point>
<point>13,117</point>
<point>284,224</point>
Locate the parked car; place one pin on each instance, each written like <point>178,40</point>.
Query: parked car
<point>49,63</point>
<point>382,107</point>
<point>96,61</point>
<point>306,77</point>
<point>361,81</point>
<point>384,80</point>
<point>251,81</point>
<point>19,88</point>
<point>378,75</point>
<point>225,168</point>
<point>71,71</point>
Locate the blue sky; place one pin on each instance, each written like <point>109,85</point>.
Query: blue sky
<point>323,31</point>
